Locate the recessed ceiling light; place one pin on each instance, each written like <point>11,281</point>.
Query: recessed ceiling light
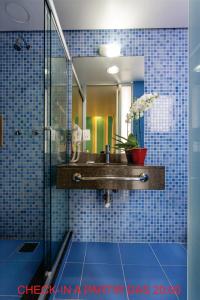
<point>110,50</point>
<point>113,70</point>
<point>17,12</point>
<point>197,69</point>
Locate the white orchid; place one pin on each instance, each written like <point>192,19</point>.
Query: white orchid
<point>141,105</point>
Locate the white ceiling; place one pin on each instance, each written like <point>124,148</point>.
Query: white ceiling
<point>111,14</point>
<point>100,14</point>
<point>93,70</point>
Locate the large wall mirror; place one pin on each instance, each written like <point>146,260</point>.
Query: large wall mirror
<point>109,86</point>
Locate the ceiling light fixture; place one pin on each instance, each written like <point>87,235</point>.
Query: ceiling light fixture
<point>17,12</point>
<point>110,50</point>
<point>113,70</point>
<point>197,69</point>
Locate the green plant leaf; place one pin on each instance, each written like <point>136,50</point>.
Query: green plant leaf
<point>121,137</point>
<point>126,143</point>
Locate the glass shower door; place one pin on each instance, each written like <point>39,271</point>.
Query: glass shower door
<point>56,120</point>
<point>194,175</point>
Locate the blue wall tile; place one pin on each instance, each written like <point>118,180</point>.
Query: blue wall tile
<point>21,157</point>
<point>154,216</point>
<point>141,216</point>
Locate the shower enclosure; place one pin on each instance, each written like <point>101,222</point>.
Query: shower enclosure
<point>57,87</point>
<point>35,82</point>
<point>194,177</point>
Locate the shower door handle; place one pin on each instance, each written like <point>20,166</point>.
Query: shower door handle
<point>143,177</point>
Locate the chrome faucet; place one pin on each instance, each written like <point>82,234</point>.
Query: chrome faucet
<point>107,154</point>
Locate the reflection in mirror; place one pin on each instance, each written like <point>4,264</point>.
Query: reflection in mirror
<point>101,116</point>
<point>109,85</point>
<point>58,107</point>
<point>77,105</point>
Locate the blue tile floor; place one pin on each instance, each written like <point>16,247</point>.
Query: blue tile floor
<point>112,271</point>
<point>16,268</point>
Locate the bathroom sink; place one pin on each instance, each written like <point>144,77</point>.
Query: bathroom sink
<point>116,176</point>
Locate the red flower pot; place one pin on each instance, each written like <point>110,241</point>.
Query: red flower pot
<point>136,156</point>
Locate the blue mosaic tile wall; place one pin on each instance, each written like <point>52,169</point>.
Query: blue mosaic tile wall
<point>144,216</point>
<point>134,216</point>
<point>21,157</point>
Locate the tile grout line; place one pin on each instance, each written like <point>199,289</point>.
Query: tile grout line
<point>141,243</point>
<point>93,263</point>
<point>126,264</point>
<point>162,268</point>
<point>64,264</point>
<point>183,266</point>
<point>83,266</point>
<point>123,271</point>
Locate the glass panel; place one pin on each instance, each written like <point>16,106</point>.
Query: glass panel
<point>59,200</point>
<point>47,145</point>
<point>56,91</point>
<point>194,176</point>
